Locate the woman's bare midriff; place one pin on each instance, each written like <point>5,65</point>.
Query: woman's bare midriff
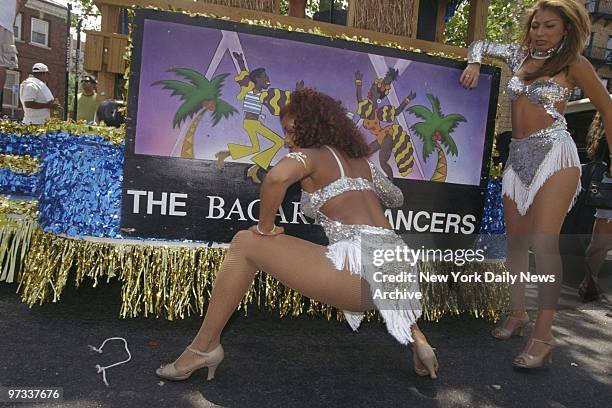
<point>528,117</point>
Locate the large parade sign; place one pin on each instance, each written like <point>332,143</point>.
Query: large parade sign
<point>204,101</point>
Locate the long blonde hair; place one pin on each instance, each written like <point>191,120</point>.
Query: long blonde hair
<point>596,138</point>
<point>578,25</point>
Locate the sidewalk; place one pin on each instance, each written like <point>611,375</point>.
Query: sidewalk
<point>293,362</point>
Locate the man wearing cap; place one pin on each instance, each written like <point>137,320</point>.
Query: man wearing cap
<point>36,97</point>
<point>8,51</point>
<point>86,100</point>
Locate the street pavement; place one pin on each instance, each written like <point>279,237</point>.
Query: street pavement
<point>293,362</point>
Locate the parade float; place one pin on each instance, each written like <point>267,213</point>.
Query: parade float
<point>154,203</point>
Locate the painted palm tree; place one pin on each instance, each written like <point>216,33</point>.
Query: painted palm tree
<point>199,96</point>
<point>435,131</point>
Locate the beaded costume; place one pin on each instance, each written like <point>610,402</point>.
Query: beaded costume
<point>533,159</point>
<point>348,242</point>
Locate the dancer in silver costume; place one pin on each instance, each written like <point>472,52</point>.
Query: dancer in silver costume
<point>541,178</point>
<point>345,193</point>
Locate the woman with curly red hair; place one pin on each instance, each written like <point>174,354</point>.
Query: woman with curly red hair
<point>345,194</point>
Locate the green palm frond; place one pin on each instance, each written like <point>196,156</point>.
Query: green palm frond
<point>451,147</point>
<point>448,124</point>
<point>435,104</point>
<point>195,77</point>
<point>222,110</point>
<point>425,131</point>
<point>189,108</point>
<point>217,83</point>
<point>183,89</point>
<point>421,112</point>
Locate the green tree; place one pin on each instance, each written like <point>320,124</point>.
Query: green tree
<point>504,22</point>
<point>199,96</point>
<point>436,129</point>
<point>312,6</point>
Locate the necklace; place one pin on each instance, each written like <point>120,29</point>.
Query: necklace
<point>542,55</point>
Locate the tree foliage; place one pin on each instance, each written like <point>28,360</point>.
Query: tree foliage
<point>86,11</point>
<point>312,6</point>
<point>504,22</point>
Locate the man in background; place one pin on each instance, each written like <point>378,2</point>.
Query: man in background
<point>86,100</point>
<point>8,51</point>
<point>36,97</point>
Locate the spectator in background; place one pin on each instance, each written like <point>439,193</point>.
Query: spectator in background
<point>8,51</point>
<point>601,237</point>
<point>36,97</point>
<point>86,100</point>
<point>109,113</point>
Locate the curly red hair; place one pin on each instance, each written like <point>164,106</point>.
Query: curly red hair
<point>320,120</point>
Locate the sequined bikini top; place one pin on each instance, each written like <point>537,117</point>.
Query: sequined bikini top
<point>390,195</point>
<point>544,92</point>
<point>541,91</point>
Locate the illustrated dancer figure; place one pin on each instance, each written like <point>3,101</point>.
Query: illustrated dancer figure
<point>389,139</point>
<point>255,92</point>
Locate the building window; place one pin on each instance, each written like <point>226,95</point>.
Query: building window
<point>10,98</point>
<point>40,32</point>
<point>17,27</point>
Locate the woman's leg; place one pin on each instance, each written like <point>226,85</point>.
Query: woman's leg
<point>595,255</point>
<point>601,243</point>
<point>298,264</point>
<point>518,228</point>
<point>547,214</point>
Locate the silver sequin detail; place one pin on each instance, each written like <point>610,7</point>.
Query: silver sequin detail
<point>544,92</point>
<point>512,54</point>
<point>390,195</point>
<point>527,154</point>
<point>299,156</point>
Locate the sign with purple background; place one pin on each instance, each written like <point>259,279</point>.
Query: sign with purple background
<point>204,128</point>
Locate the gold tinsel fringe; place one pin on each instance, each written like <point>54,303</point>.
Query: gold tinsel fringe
<point>113,135</point>
<point>15,238</point>
<point>19,164</point>
<point>175,282</point>
<point>27,208</point>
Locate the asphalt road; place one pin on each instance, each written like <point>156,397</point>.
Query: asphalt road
<point>293,362</point>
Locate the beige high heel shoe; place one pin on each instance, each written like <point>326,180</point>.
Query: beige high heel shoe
<point>502,333</point>
<point>212,359</point>
<point>427,356</point>
<point>526,360</point>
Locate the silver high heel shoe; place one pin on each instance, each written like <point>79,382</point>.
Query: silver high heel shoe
<point>211,360</point>
<point>427,356</point>
<point>526,360</point>
<point>502,333</point>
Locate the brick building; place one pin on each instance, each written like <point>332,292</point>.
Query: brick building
<point>40,36</point>
<point>599,50</point>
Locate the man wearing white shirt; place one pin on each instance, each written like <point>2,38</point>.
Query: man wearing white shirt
<point>8,51</point>
<point>36,97</point>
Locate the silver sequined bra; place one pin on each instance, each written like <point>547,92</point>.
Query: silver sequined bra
<point>389,194</point>
<point>544,92</point>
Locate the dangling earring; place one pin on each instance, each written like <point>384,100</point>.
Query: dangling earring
<point>379,101</point>
<point>562,43</point>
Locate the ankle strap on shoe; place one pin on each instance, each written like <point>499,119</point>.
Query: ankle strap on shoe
<point>198,352</point>
<point>547,342</point>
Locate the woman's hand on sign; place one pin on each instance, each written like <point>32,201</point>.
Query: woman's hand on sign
<point>470,75</point>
